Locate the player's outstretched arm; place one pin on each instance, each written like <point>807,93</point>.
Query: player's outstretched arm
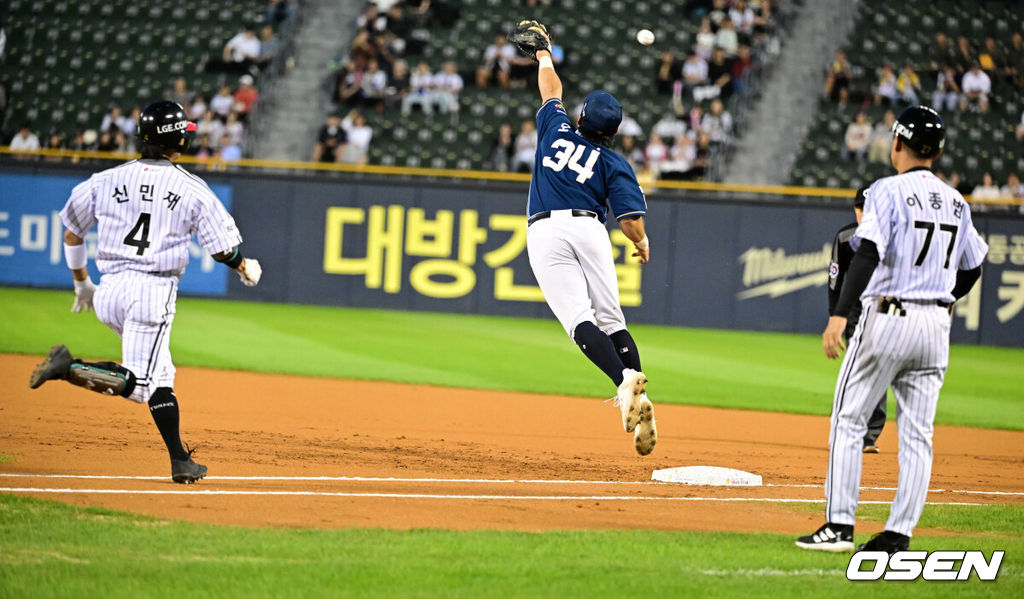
<point>533,41</point>
<point>547,79</point>
<point>633,228</point>
<point>74,254</point>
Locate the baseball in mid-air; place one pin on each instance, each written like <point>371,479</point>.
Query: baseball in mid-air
<point>645,37</point>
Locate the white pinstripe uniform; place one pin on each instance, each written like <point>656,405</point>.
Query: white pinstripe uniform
<point>147,212</point>
<point>923,231</point>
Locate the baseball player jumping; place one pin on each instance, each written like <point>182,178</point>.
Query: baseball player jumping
<point>841,256</point>
<point>146,212</point>
<point>917,252</point>
<point>575,175</point>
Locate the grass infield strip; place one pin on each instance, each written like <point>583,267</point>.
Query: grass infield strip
<point>729,369</point>
<point>49,549</point>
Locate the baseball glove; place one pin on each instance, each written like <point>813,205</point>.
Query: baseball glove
<point>529,37</point>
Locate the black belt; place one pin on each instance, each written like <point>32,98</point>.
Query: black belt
<point>547,213</point>
<point>894,305</point>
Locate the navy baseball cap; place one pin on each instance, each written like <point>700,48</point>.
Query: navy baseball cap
<point>601,113</point>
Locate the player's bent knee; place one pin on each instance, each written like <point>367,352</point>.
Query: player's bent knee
<point>116,380</point>
<point>584,332</point>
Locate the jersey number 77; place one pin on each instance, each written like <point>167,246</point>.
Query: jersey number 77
<point>570,154</point>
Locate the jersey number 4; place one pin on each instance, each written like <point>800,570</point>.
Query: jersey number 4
<point>570,154</point>
<point>929,228</point>
<point>138,237</point>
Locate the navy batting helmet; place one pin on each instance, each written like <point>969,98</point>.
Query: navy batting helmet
<point>921,129</point>
<point>165,124</point>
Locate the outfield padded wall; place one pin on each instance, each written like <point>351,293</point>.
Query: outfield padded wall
<point>460,247</point>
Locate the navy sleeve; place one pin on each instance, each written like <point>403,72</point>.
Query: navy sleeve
<point>550,115</point>
<point>625,196</point>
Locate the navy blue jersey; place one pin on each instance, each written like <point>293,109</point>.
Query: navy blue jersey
<point>571,172</point>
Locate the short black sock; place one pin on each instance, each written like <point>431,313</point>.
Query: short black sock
<point>599,348</point>
<point>163,406</point>
<point>628,353</point>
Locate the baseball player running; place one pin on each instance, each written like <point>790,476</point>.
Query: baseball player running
<point>575,175</point>
<point>841,256</point>
<point>146,212</point>
<point>917,252</point>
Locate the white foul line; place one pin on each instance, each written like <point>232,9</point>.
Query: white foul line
<point>505,481</point>
<point>429,496</point>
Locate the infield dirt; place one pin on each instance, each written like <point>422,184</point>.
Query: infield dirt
<point>498,444</point>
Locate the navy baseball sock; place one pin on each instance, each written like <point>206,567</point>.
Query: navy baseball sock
<point>163,406</point>
<point>599,348</point>
<point>628,353</point>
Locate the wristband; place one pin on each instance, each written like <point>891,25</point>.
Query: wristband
<point>234,260</point>
<point>643,244</point>
<point>545,62</point>
<point>75,256</point>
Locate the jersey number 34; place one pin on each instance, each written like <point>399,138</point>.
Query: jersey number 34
<point>570,154</point>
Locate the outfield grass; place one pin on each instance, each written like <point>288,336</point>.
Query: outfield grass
<point>49,549</point>
<point>732,369</point>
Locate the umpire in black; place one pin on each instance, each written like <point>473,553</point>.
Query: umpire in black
<point>841,256</point>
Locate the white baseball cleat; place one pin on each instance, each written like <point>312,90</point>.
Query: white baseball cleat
<point>629,396</point>
<point>645,437</point>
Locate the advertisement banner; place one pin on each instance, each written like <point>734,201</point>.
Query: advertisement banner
<point>32,242</point>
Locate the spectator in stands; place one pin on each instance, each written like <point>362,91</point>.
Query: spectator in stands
<point>987,190</point>
<point>632,153</point>
<point>245,96</point>
<point>374,84</point>
<point>130,125</point>
<point>447,87</point>
<point>210,126</point>
<point>398,84</point>
<point>106,142</point>
<point>628,126</point>
<point>120,141</point>
<point>55,141</point>
<point>203,149</point>
<point>885,89</point>
<point>727,38</point>
<point>960,184</point>
<point>198,108</point>
<point>943,52</point>
<point>357,149</point>
<point>234,128</point>
<point>330,141</point>
<point>668,71</point>
<point>993,58</point>
<point>526,147</point>
<point>837,81</point>
<point>77,142</point>
<point>669,126</point>
<point>857,138</point>
<point>397,28</point>
<point>703,156</point>
<point>498,58</point>
<point>113,120</point>
<point>229,150</point>
<point>947,91</point>
<point>976,87</point>
<point>268,46</point>
<point>881,139</point>
<point>503,150</point>
<point>719,12</point>
<point>655,154</point>
<point>720,73</point>
<point>680,159</point>
<point>705,39</point>
<point>1013,189</point>
<point>1015,65</point>
<point>695,70</point>
<point>740,65</point>
<point>1020,128</point>
<point>908,85</point>
<point>964,56</point>
<point>350,81</point>
<point>421,85</point>
<point>717,123</point>
<point>223,102</point>
<point>742,17</point>
<point>240,53</point>
<point>180,92</point>
<point>279,10</point>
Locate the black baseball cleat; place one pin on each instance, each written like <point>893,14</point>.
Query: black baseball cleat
<point>834,538</point>
<point>887,541</point>
<point>55,366</point>
<point>187,471</point>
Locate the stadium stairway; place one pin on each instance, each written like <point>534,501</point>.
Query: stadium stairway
<point>776,130</point>
<point>293,108</point>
